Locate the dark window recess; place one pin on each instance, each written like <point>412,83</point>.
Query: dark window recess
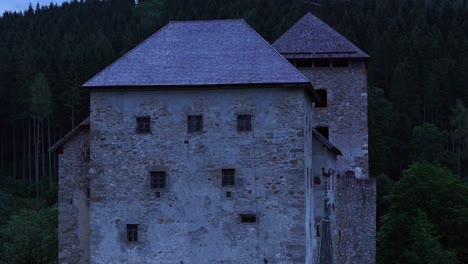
<point>244,122</point>
<point>292,61</point>
<point>143,125</point>
<point>340,63</point>
<point>228,177</point>
<point>158,194</point>
<point>303,63</point>
<point>323,98</point>
<point>158,180</point>
<point>228,194</point>
<point>323,130</point>
<point>317,230</point>
<point>317,180</point>
<point>87,153</point>
<point>322,63</point>
<point>248,218</point>
<point>195,123</point>
<point>132,233</point>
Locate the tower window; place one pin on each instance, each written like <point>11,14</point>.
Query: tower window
<point>322,63</point>
<point>244,123</point>
<point>317,230</point>
<point>195,123</point>
<point>228,177</point>
<point>340,63</point>
<point>304,63</point>
<point>323,98</point>
<point>87,153</point>
<point>158,180</point>
<point>317,180</point>
<point>143,125</point>
<point>248,218</point>
<point>323,130</point>
<point>132,233</point>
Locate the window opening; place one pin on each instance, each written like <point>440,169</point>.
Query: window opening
<point>158,180</point>
<point>340,63</point>
<point>132,233</point>
<point>317,180</point>
<point>322,94</point>
<point>87,153</point>
<point>195,123</point>
<point>248,218</point>
<point>228,177</point>
<point>322,63</point>
<point>304,63</point>
<point>244,123</point>
<point>143,125</point>
<point>323,130</point>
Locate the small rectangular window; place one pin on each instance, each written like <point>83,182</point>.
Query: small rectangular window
<point>244,123</point>
<point>195,123</point>
<point>228,177</point>
<point>322,63</point>
<point>143,125</point>
<point>340,63</point>
<point>132,233</point>
<point>158,180</point>
<point>87,153</point>
<point>322,94</point>
<point>248,218</point>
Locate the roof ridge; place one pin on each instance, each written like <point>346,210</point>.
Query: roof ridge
<point>277,52</point>
<point>206,20</point>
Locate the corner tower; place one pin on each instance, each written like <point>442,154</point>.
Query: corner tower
<point>337,69</point>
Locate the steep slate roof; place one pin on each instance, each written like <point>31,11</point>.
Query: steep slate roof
<point>310,37</point>
<point>217,52</point>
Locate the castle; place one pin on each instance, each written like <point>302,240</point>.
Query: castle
<point>206,144</point>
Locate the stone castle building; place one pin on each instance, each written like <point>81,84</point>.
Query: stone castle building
<point>206,144</point>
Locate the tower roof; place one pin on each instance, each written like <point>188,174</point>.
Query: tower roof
<point>310,37</point>
<point>194,53</point>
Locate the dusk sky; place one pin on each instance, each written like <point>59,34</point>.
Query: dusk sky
<point>21,5</point>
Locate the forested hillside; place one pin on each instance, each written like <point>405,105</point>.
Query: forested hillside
<point>418,98</point>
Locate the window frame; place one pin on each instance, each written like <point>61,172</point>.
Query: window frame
<point>132,233</point>
<point>156,178</point>
<point>228,179</point>
<point>143,124</point>
<point>244,125</point>
<point>197,123</point>
<point>247,219</point>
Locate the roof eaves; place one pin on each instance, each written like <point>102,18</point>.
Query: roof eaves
<point>70,135</point>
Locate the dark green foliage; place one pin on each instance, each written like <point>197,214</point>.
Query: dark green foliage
<point>428,218</point>
<point>30,237</point>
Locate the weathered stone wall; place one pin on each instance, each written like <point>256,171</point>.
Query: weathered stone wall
<point>194,221</point>
<point>311,244</point>
<point>323,157</point>
<point>73,229</point>
<point>346,113</point>
<point>355,232</point>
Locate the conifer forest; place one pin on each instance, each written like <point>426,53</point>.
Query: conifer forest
<point>418,107</point>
